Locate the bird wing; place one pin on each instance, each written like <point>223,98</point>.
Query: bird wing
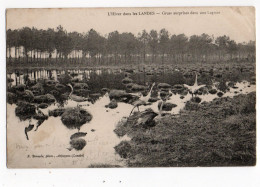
<point>200,86</point>
<point>187,86</point>
<point>145,99</point>
<point>135,94</point>
<point>77,97</point>
<point>138,103</point>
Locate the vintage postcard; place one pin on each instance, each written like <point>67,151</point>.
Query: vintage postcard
<point>131,87</point>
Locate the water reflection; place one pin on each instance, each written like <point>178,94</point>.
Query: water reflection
<point>53,138</point>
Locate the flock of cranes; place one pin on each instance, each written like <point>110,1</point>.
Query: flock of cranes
<point>144,100</point>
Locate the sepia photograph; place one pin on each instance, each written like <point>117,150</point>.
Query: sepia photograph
<point>130,87</point>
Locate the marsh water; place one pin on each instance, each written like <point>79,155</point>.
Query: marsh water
<point>48,146</point>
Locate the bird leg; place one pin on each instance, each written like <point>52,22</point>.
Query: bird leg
<point>132,111</point>
<point>26,135</point>
<point>160,110</point>
<point>39,124</point>
<point>27,129</point>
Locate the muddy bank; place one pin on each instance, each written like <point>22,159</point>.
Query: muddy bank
<point>218,133</point>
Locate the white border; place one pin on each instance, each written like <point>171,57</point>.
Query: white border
<point>233,176</point>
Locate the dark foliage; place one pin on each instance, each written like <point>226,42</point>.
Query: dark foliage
<point>74,118</point>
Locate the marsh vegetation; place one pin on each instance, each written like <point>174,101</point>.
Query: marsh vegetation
<point>152,100</point>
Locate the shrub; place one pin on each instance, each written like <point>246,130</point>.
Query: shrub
<point>25,110</point>
<point>123,149</point>
<point>74,118</point>
<point>78,144</point>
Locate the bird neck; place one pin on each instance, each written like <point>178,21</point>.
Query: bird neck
<point>149,93</point>
<point>196,80</point>
<point>71,90</point>
<point>160,110</point>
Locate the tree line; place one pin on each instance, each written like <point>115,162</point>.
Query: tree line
<point>57,45</point>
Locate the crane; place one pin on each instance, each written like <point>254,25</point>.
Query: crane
<point>75,97</point>
<point>143,100</point>
<point>195,87</point>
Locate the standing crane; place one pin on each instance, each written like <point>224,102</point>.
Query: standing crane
<point>143,100</point>
<point>195,87</point>
<point>75,97</point>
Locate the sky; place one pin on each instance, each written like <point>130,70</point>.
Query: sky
<point>236,22</point>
